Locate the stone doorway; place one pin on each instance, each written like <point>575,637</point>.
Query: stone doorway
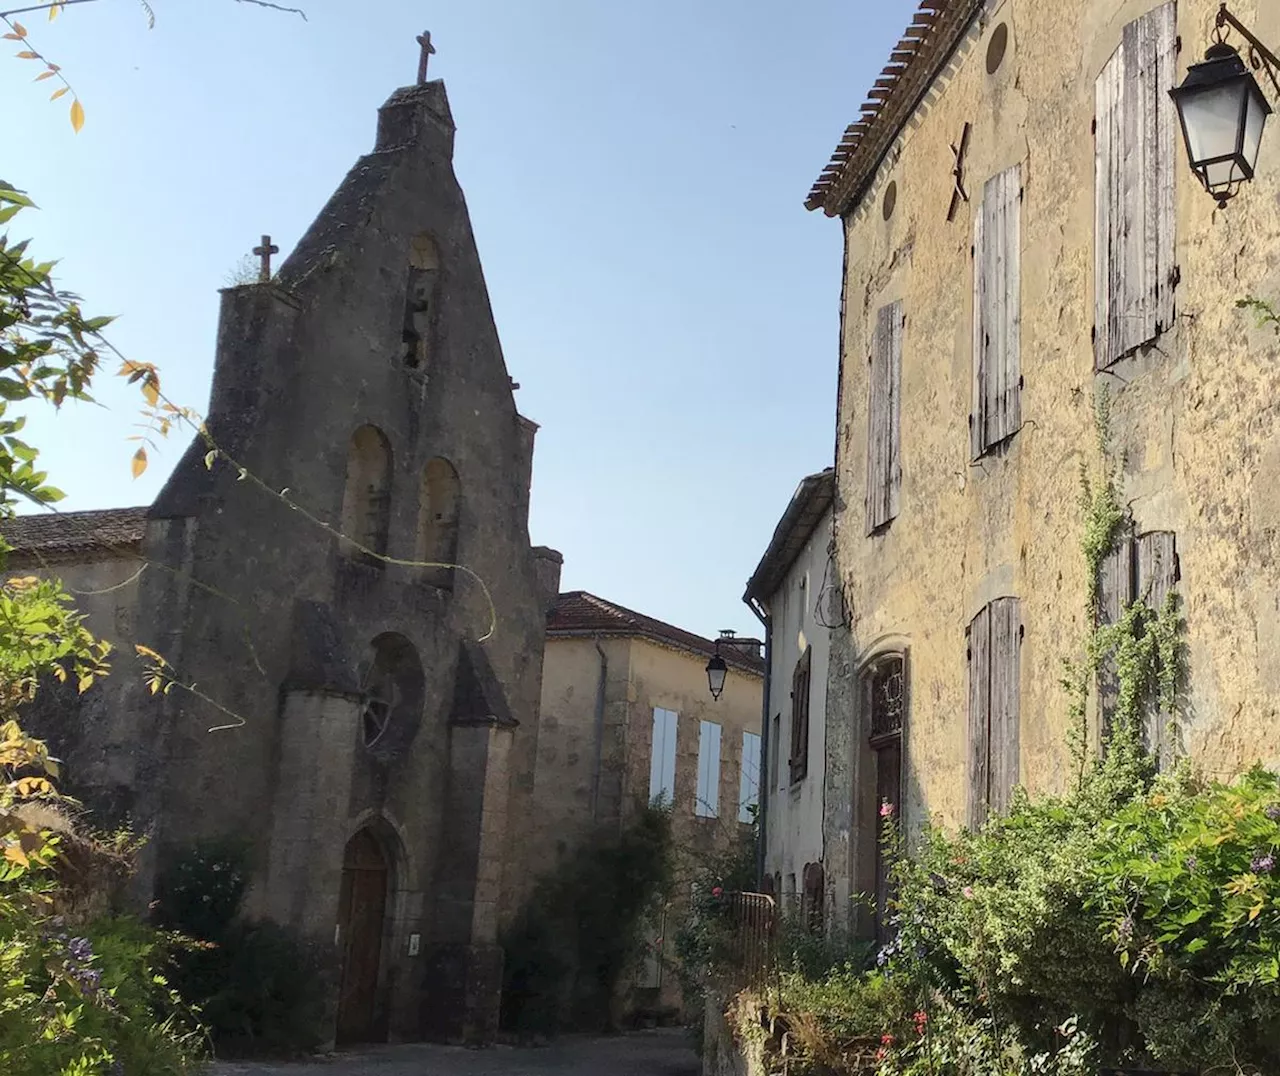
<point>362,906</point>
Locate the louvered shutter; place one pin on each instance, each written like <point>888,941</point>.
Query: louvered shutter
<point>884,468</point>
<point>979,653</point>
<point>997,312</point>
<point>1135,161</point>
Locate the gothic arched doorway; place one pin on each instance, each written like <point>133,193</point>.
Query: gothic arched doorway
<point>361,913</point>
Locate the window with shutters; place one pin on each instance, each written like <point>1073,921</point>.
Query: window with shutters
<point>800,717</point>
<point>775,751</point>
<point>994,648</point>
<point>884,466</point>
<point>884,702</point>
<point>997,313</point>
<point>662,756</point>
<point>1141,568</point>
<point>749,777</point>
<point>1135,150</point>
<point>707,803</point>
<point>812,898</point>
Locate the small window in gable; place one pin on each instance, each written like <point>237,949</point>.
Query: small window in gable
<point>439,508</point>
<point>1140,569</point>
<point>419,302</point>
<point>997,313</point>
<point>994,657</point>
<point>366,497</point>
<point>884,463</point>
<point>1135,155</point>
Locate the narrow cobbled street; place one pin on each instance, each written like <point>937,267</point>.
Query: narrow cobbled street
<point>666,1052</point>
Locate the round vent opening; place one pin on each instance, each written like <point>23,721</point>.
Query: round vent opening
<point>890,199</point>
<point>997,47</point>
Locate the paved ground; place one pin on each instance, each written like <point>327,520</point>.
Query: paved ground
<point>645,1053</point>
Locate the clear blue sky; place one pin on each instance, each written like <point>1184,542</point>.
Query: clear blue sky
<point>635,174</point>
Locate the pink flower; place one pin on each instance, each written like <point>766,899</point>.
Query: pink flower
<point>886,1040</point>
<point>967,891</point>
<point>886,809</point>
<point>717,891</point>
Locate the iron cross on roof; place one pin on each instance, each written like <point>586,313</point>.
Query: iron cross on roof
<point>428,50</point>
<point>264,252</point>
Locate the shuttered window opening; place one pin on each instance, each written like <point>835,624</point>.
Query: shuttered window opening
<point>884,410</point>
<point>994,650</point>
<point>1141,568</point>
<point>1135,157</point>
<point>707,801</point>
<point>800,717</point>
<point>749,777</point>
<point>662,756</point>
<point>997,313</point>
<point>884,702</point>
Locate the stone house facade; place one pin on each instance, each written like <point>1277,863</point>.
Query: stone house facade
<point>358,658</point>
<point>795,593</point>
<point>1021,229</point>
<point>626,718</point>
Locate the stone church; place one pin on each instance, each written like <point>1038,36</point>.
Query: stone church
<point>358,663</point>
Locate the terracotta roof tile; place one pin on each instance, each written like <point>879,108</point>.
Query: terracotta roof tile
<point>63,534</point>
<point>926,48</point>
<point>580,613</point>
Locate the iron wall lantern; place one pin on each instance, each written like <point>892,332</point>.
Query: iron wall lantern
<point>1223,111</point>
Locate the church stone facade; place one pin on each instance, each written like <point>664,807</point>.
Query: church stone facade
<point>366,648</point>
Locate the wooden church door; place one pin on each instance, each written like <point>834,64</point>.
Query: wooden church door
<point>361,910</point>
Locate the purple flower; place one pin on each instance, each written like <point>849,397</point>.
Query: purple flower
<point>80,949</point>
<point>1124,931</point>
<point>1273,812</point>
<point>89,979</point>
<point>1191,863</point>
<point>1263,864</point>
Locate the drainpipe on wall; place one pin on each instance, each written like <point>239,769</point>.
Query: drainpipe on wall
<point>765,790</point>
<point>600,694</point>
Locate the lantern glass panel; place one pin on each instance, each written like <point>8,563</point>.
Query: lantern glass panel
<point>1255,120</point>
<point>1211,116</point>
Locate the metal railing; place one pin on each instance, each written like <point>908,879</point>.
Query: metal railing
<point>754,940</point>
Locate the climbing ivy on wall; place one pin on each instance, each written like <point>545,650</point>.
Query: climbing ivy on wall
<point>1142,649</point>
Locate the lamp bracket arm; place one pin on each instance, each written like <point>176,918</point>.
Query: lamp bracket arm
<point>1261,55</point>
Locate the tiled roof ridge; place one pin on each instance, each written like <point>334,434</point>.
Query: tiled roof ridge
<point>630,621</point>
<point>922,53</point>
<point>61,533</point>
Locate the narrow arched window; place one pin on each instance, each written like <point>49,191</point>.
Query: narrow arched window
<point>438,512</point>
<point>366,499</point>
<point>420,303</point>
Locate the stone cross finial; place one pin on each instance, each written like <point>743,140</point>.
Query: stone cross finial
<point>264,252</point>
<point>428,50</point>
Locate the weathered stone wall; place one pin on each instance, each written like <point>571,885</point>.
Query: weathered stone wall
<point>1195,416</point>
<point>800,614</point>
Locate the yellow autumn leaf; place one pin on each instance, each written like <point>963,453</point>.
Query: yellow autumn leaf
<point>42,76</point>
<point>139,462</point>
<point>19,29</point>
<point>151,391</point>
<point>12,37</point>
<point>1255,911</point>
<point>59,93</point>
<point>77,115</point>
<point>27,54</point>
<point>15,854</point>
<point>53,11</point>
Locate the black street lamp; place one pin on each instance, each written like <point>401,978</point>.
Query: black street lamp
<point>717,670</point>
<point>1223,111</point>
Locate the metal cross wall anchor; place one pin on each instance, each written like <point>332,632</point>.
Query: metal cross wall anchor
<point>959,194</point>
<point>264,252</point>
<point>428,50</point>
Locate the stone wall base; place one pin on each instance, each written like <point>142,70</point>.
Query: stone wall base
<point>462,994</point>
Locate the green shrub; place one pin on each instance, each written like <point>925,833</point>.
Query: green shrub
<point>580,932</point>
<point>90,1001</point>
<point>260,988</point>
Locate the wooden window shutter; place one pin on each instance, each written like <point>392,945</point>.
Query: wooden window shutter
<point>1006,638</point>
<point>1157,574</point>
<point>979,654</point>
<point>884,409</point>
<point>800,717</point>
<point>1115,593</point>
<point>997,313</point>
<point>1135,185</point>
<point>995,644</point>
